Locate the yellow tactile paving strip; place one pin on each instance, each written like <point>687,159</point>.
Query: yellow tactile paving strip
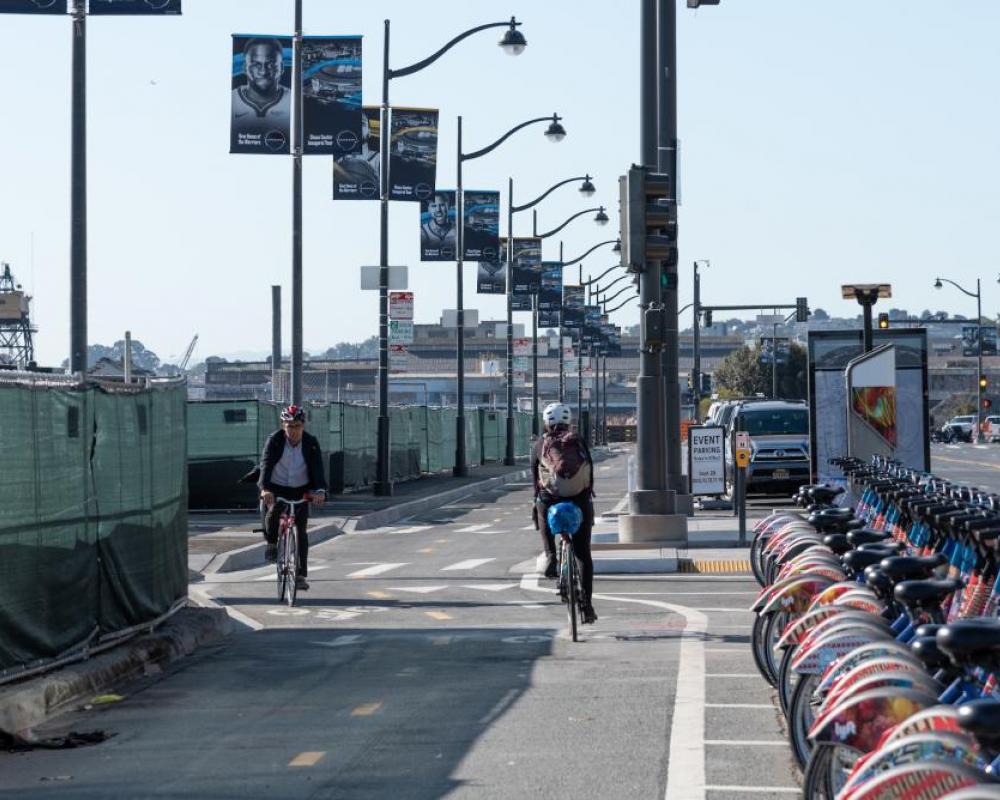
<point>725,566</point>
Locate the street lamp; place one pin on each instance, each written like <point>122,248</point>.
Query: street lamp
<point>601,218</point>
<point>587,190</point>
<point>512,43</point>
<point>939,284</point>
<point>554,133</point>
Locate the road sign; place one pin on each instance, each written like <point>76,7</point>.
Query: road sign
<point>398,357</point>
<point>398,278</point>
<point>742,441</point>
<point>400,331</point>
<point>770,319</point>
<point>742,458</point>
<point>522,347</point>
<point>401,305</point>
<point>706,460</point>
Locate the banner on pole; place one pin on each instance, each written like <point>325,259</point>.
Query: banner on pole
<point>491,277</point>
<point>481,225</point>
<point>33,7</point>
<point>591,324</point>
<point>356,174</point>
<point>548,319</point>
<point>437,226</point>
<point>261,95</point>
<point>109,7</point>
<point>573,301</point>
<point>551,285</point>
<point>331,95</point>
<point>970,340</point>
<point>526,275</point>
<point>413,153</point>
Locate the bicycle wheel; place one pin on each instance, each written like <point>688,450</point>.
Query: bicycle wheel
<point>280,565</point>
<point>758,643</point>
<point>801,713</point>
<point>572,599</point>
<point>291,564</point>
<point>787,678</point>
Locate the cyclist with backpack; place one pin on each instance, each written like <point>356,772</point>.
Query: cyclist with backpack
<point>563,470</point>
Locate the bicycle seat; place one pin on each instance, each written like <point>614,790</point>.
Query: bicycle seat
<point>981,718</point>
<point>925,648</point>
<point>927,629</point>
<point>925,594</point>
<point>837,542</point>
<point>908,568</point>
<point>857,560</point>
<point>878,582</point>
<point>825,494</point>
<point>889,547</point>
<point>834,513</point>
<point>972,642</point>
<point>867,536</point>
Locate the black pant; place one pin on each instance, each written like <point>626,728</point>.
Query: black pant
<point>581,539</point>
<point>272,521</point>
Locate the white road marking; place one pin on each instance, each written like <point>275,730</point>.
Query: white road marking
<point>732,674</point>
<point>416,589</point>
<point>524,604</point>
<point>490,587</point>
<point>747,742</point>
<point>499,708</point>
<point>681,594</point>
<point>469,563</point>
<point>739,705</point>
<point>528,528</point>
<point>378,569</point>
<point>341,641</point>
<point>474,528</point>
<point>731,608</point>
<point>411,529</point>
<point>755,789</point>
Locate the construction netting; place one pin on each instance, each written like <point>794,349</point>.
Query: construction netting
<point>226,439</point>
<point>93,513</point>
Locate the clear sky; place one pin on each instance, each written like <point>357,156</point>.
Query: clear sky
<point>821,143</point>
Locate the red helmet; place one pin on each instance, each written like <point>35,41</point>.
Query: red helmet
<point>293,414</point>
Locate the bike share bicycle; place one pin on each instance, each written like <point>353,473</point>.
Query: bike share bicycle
<point>878,625</point>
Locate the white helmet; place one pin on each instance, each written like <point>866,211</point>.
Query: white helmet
<point>556,414</point>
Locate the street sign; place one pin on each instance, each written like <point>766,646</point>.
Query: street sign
<point>706,460</point>
<point>520,363</point>
<point>770,319</point>
<point>520,378</point>
<point>398,278</point>
<point>522,347</point>
<point>401,305</point>
<point>490,368</point>
<point>400,331</point>
<point>398,358</point>
<point>742,441</point>
<point>742,458</point>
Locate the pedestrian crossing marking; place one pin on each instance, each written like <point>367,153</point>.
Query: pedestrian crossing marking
<point>417,589</point>
<point>473,528</point>
<point>470,563</point>
<point>377,569</point>
<point>307,759</point>
<point>490,587</point>
<point>441,616</point>
<point>366,710</point>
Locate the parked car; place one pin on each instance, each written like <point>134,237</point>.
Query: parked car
<point>959,429</point>
<point>991,429</point>
<point>779,444</point>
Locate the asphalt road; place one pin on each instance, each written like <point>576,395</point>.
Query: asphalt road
<point>972,464</point>
<point>429,660</point>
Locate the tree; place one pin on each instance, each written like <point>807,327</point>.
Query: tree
<point>141,357</point>
<point>744,373</point>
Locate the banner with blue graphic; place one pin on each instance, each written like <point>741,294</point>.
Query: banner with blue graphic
<point>331,95</point>
<point>438,237</point>
<point>33,7</point>
<point>481,220</point>
<point>162,7</point>
<point>261,91</point>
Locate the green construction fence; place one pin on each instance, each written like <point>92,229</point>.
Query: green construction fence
<point>225,439</point>
<point>93,515</point>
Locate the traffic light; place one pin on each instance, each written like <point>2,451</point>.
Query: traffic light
<point>987,403</point>
<point>648,219</point>
<point>883,321</point>
<point>708,317</point>
<point>983,383</point>
<point>802,311</point>
<point>706,384</point>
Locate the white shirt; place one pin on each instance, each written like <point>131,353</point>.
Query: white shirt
<point>291,468</point>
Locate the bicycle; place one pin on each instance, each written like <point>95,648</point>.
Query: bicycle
<point>570,582</point>
<point>288,550</point>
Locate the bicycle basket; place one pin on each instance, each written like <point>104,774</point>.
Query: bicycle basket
<point>564,518</point>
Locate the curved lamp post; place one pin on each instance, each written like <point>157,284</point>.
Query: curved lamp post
<point>554,133</point>
<point>621,305</point>
<point>512,43</point>
<point>939,284</point>
<point>587,190</point>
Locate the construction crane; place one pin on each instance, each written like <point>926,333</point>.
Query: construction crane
<point>188,352</point>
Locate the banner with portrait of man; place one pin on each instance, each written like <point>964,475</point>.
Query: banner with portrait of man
<point>331,95</point>
<point>491,277</point>
<point>573,301</point>
<point>481,225</point>
<point>261,95</point>
<point>970,340</point>
<point>413,137</point>
<point>98,7</point>
<point>438,232</point>
<point>356,175</point>
<point>33,7</point>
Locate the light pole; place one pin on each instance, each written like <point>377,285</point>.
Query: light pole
<point>696,314</point>
<point>512,43</point>
<point>938,284</point>
<point>587,190</point>
<point>554,133</point>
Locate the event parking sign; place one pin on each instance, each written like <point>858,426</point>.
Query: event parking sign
<point>706,460</point>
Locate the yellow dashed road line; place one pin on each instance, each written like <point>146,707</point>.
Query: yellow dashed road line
<point>307,759</point>
<point>366,710</point>
<point>965,461</point>
<point>438,615</point>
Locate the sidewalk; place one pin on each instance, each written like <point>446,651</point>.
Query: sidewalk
<point>226,542</point>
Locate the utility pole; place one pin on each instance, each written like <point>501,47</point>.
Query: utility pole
<point>696,369</point>
<point>296,365</point>
<point>275,342</point>
<point>78,194</point>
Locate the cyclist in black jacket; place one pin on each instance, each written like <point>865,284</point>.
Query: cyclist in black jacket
<point>291,466</point>
<point>557,418</point>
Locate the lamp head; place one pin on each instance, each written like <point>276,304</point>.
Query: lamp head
<point>600,217</point>
<point>555,132</point>
<point>937,283</point>
<point>587,190</point>
<point>618,247</point>
<point>513,41</point>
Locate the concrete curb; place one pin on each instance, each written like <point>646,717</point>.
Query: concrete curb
<point>24,706</point>
<point>253,555</point>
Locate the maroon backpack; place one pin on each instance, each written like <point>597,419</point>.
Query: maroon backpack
<point>563,466</point>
